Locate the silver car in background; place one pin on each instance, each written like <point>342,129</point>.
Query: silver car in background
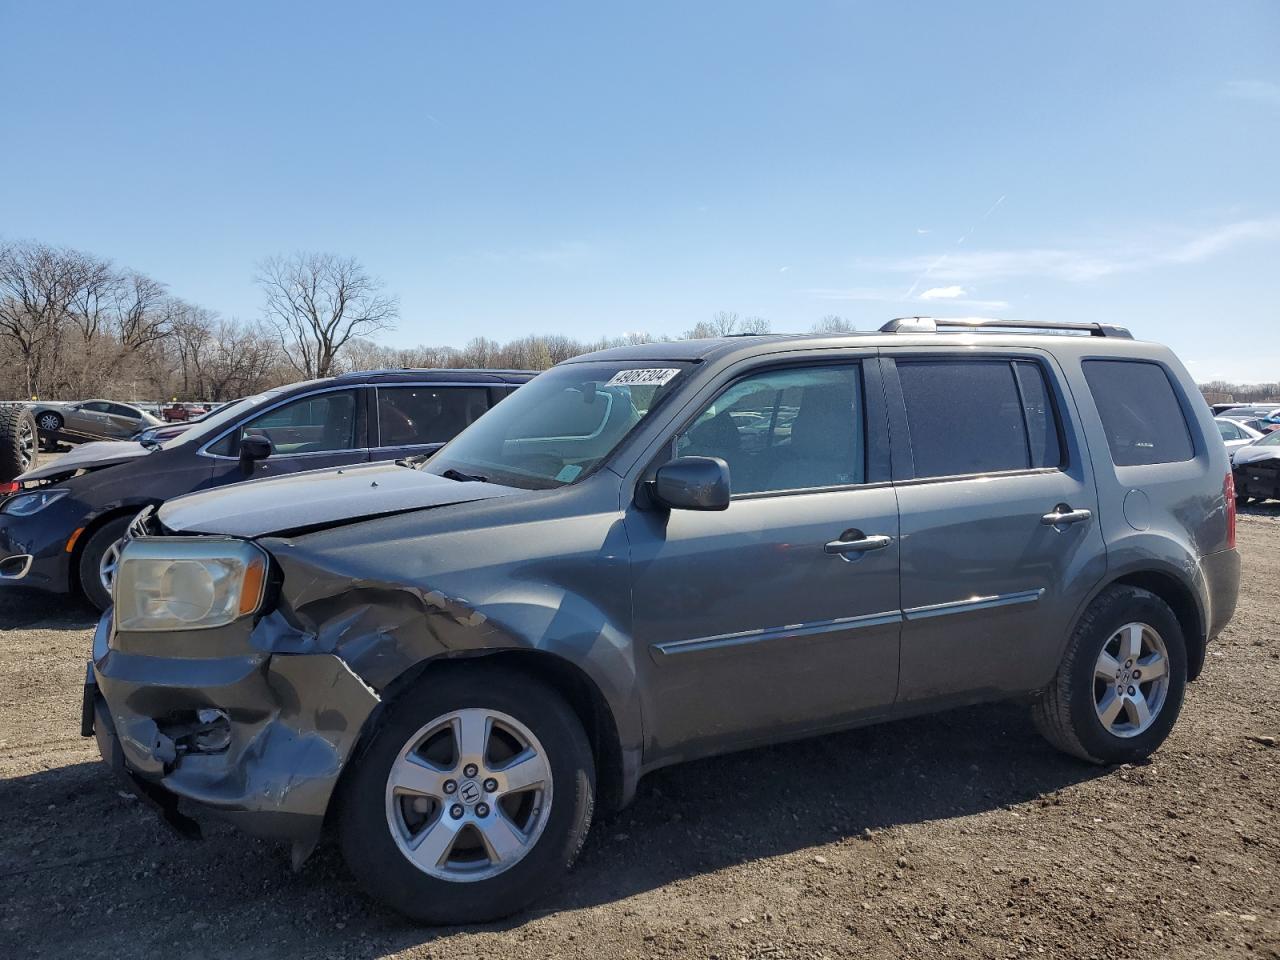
<point>83,420</point>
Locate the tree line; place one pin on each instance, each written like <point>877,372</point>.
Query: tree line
<point>75,325</point>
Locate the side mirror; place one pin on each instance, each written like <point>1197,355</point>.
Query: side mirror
<point>692,483</point>
<point>252,449</point>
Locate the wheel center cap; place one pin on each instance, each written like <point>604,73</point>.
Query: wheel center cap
<point>469,791</point>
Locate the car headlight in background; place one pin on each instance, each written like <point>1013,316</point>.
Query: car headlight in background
<point>25,504</point>
<point>187,583</point>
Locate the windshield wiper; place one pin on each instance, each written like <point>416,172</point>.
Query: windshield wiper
<point>452,474</point>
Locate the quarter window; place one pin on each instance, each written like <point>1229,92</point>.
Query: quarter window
<point>979,416</point>
<point>418,415</point>
<point>319,423</point>
<point>790,429</point>
<point>1140,412</point>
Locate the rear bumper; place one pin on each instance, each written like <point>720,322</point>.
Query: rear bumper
<point>258,739</point>
<point>1221,573</point>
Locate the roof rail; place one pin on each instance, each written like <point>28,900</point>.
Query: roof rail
<point>932,325</point>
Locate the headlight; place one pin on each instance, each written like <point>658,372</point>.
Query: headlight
<point>25,504</point>
<point>187,583</point>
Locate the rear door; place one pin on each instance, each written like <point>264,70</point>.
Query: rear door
<point>1000,534</point>
<point>123,421</point>
<point>413,419</point>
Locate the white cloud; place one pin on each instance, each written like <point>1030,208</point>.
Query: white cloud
<point>1077,265</point>
<point>888,295</point>
<point>783,269</point>
<point>943,293</point>
<point>1259,91</point>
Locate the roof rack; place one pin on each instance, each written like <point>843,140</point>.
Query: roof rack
<point>932,325</point>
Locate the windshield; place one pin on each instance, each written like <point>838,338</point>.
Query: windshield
<point>561,425</point>
<point>1270,440</point>
<point>212,424</point>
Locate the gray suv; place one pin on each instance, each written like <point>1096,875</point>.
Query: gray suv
<point>662,552</point>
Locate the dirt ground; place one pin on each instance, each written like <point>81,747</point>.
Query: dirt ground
<point>954,835</point>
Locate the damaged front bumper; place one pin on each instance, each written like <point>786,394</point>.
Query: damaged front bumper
<point>259,738</point>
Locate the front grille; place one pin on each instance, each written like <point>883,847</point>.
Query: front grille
<point>145,524</point>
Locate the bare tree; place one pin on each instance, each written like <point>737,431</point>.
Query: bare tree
<point>38,289</point>
<point>833,323</point>
<point>317,302</point>
<point>142,312</point>
<point>724,323</point>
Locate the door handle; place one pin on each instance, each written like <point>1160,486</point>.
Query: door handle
<point>860,545</point>
<point>1063,515</point>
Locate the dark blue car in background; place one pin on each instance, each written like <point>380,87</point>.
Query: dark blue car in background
<point>61,524</point>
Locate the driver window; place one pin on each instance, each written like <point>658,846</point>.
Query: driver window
<point>319,423</point>
<point>790,429</point>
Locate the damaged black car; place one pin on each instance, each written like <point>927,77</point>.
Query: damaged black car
<point>62,524</point>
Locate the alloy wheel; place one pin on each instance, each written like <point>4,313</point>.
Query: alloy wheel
<point>108,564</point>
<point>469,795</point>
<point>49,422</point>
<point>26,444</point>
<point>1131,680</point>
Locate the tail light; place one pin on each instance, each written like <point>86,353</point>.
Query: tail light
<point>1229,491</point>
<point>8,488</point>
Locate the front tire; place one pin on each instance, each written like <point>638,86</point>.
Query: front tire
<point>473,797</point>
<point>1119,688</point>
<point>98,561</point>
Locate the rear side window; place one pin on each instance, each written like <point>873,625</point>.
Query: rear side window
<point>420,415</point>
<point>978,416</point>
<point>1140,412</point>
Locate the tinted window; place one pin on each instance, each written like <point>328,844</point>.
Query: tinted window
<point>1043,443</point>
<point>412,415</point>
<point>120,410</point>
<point>1140,412</point>
<point>785,430</point>
<point>966,416</point>
<point>317,423</point>
<point>97,406</point>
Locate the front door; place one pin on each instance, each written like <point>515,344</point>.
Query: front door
<point>779,615</point>
<point>989,579</point>
<point>322,429</point>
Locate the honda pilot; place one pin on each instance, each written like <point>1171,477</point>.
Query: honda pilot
<point>661,552</point>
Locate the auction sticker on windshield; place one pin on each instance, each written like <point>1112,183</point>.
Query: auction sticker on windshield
<point>647,377</point>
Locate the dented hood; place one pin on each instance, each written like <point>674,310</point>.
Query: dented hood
<point>318,499</point>
<point>88,456</point>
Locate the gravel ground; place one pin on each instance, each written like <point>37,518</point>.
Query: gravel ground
<point>959,834</point>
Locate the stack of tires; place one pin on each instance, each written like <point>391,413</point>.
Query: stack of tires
<point>18,441</point>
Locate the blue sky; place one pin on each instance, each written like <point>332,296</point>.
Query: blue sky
<point>595,168</point>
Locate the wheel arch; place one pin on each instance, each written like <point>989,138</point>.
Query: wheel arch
<point>1175,590</point>
<point>93,526</point>
<point>615,782</point>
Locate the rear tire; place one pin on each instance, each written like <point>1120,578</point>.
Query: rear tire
<point>99,546</point>
<point>1119,688</point>
<point>488,871</point>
